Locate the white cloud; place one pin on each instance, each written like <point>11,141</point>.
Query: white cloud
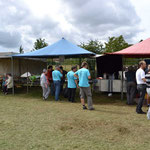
<point>143,11</point>
<point>22,22</point>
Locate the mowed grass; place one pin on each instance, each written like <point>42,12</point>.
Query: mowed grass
<point>27,122</point>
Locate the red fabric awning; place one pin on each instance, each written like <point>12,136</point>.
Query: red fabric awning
<point>140,50</point>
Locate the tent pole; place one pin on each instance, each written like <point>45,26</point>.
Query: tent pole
<point>47,63</point>
<point>52,62</point>
<point>27,80</point>
<point>122,79</point>
<point>12,72</point>
<point>79,62</point>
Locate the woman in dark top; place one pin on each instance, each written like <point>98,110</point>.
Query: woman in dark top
<point>131,85</point>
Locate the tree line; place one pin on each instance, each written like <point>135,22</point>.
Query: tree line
<point>112,45</point>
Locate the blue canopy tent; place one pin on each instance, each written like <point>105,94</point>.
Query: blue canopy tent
<point>58,49</point>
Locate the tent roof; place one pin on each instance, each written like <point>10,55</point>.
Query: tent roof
<point>141,49</point>
<point>6,54</point>
<point>60,48</point>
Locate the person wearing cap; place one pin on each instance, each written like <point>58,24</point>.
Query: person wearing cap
<point>57,75</point>
<point>72,84</point>
<point>45,84</point>
<point>84,75</point>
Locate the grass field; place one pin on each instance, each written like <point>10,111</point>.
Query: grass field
<point>27,122</point>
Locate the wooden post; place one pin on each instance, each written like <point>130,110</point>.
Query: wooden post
<point>122,79</point>
<point>27,80</point>
<point>79,62</point>
<point>12,72</point>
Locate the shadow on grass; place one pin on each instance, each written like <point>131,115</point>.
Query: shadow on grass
<point>112,112</point>
<point>98,98</point>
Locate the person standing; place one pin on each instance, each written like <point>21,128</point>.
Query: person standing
<point>72,84</point>
<point>45,84</point>
<point>147,77</point>
<point>4,87</point>
<point>57,75</point>
<point>64,73</point>
<point>9,83</point>
<point>147,72</point>
<point>84,75</point>
<point>50,79</point>
<point>131,85</point>
<point>141,86</point>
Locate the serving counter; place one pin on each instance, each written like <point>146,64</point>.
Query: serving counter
<point>106,85</point>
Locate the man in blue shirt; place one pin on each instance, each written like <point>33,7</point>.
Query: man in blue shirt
<point>72,84</point>
<point>84,75</point>
<point>57,75</point>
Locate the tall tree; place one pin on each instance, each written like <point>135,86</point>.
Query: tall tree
<point>21,51</point>
<point>116,44</point>
<point>40,43</point>
<point>141,40</point>
<point>94,46</point>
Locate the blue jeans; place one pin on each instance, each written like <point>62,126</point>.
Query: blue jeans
<point>57,89</point>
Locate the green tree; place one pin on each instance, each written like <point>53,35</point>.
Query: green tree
<point>141,40</point>
<point>21,51</point>
<point>115,44</point>
<point>94,46</point>
<point>40,43</point>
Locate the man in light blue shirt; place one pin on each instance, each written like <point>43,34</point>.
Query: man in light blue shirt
<point>72,84</point>
<point>57,75</point>
<point>84,75</point>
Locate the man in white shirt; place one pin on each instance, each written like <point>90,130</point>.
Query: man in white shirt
<point>45,84</point>
<point>141,86</point>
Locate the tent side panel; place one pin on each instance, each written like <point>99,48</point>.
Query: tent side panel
<point>108,64</point>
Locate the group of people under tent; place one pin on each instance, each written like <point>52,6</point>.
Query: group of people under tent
<point>7,83</point>
<point>138,83</point>
<point>51,82</point>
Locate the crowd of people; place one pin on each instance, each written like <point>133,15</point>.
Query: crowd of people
<point>138,82</point>
<point>52,81</point>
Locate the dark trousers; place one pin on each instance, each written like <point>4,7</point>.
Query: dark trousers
<point>5,90</point>
<point>62,86</point>
<point>131,89</point>
<point>142,90</point>
<point>71,94</point>
<point>52,87</point>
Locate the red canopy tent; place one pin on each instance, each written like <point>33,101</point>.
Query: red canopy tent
<point>139,50</point>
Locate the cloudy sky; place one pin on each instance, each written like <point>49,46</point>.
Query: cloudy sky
<point>23,21</point>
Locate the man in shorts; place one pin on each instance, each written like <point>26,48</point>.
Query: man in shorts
<point>85,91</point>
